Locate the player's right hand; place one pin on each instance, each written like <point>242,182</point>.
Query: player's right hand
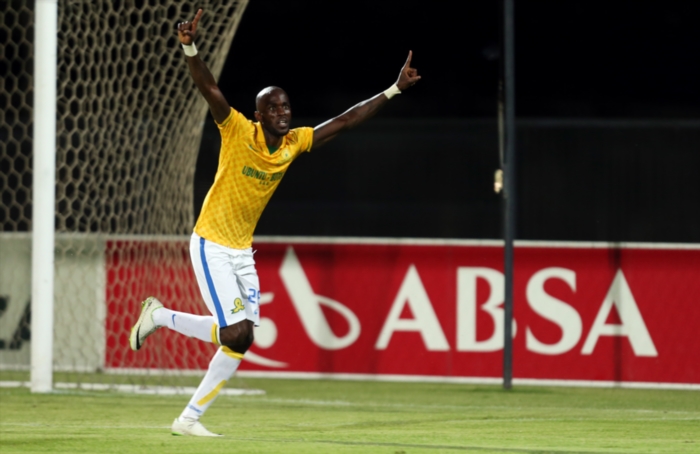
<point>186,30</point>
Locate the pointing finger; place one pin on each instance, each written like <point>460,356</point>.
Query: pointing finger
<point>408,60</point>
<point>197,17</point>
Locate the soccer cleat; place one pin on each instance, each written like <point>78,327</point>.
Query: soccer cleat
<point>145,326</point>
<point>187,426</point>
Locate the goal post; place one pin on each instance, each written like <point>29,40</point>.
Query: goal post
<point>105,86</point>
<point>44,171</point>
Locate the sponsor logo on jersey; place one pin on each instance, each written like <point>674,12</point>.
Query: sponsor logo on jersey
<point>264,177</point>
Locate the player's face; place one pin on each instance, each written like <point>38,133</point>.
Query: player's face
<point>275,113</point>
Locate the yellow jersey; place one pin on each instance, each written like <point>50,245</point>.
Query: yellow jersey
<point>245,180</point>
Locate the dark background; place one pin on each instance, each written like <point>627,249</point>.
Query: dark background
<point>607,104</point>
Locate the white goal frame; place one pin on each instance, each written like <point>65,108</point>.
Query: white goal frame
<point>43,234</point>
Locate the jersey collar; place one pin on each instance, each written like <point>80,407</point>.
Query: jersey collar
<point>260,143</point>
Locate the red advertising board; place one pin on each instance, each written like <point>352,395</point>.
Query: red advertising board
<point>581,312</point>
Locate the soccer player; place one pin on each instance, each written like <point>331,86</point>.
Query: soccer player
<point>254,158</point>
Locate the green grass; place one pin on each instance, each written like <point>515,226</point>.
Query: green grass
<point>320,416</point>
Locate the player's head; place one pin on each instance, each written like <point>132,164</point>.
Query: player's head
<point>273,110</point>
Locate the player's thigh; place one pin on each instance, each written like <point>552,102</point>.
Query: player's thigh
<point>217,281</point>
<point>249,286</point>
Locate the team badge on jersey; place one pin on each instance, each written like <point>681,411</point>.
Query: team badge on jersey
<point>238,306</point>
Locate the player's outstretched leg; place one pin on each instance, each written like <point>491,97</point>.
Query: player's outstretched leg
<point>145,326</point>
<point>154,315</point>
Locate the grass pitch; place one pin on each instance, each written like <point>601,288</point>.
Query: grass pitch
<point>304,416</point>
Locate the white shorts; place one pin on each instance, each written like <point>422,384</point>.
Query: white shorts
<point>227,280</point>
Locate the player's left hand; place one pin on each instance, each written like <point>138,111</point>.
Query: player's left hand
<point>408,76</point>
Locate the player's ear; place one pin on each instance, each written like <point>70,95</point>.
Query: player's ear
<point>257,115</point>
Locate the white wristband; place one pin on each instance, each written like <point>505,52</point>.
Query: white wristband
<point>391,91</point>
<point>190,50</point>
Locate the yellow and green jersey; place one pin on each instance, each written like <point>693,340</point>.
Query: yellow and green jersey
<point>247,176</point>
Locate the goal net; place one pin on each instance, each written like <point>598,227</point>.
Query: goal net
<point>129,124</point>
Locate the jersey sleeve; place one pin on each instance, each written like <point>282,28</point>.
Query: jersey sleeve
<point>232,125</point>
<point>304,139</point>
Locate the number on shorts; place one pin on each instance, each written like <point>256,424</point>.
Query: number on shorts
<point>253,295</point>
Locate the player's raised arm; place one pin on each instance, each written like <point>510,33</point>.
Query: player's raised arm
<point>364,110</point>
<point>201,75</point>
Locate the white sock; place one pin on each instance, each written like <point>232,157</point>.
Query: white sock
<point>202,327</point>
<point>221,368</point>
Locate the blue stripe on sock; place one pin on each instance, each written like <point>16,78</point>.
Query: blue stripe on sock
<point>210,284</point>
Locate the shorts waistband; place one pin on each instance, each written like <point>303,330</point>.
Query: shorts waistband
<point>232,251</point>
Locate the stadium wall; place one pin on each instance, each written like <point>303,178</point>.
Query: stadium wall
<point>593,314</point>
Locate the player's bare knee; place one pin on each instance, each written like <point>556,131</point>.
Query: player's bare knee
<point>240,347</point>
<point>238,337</point>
